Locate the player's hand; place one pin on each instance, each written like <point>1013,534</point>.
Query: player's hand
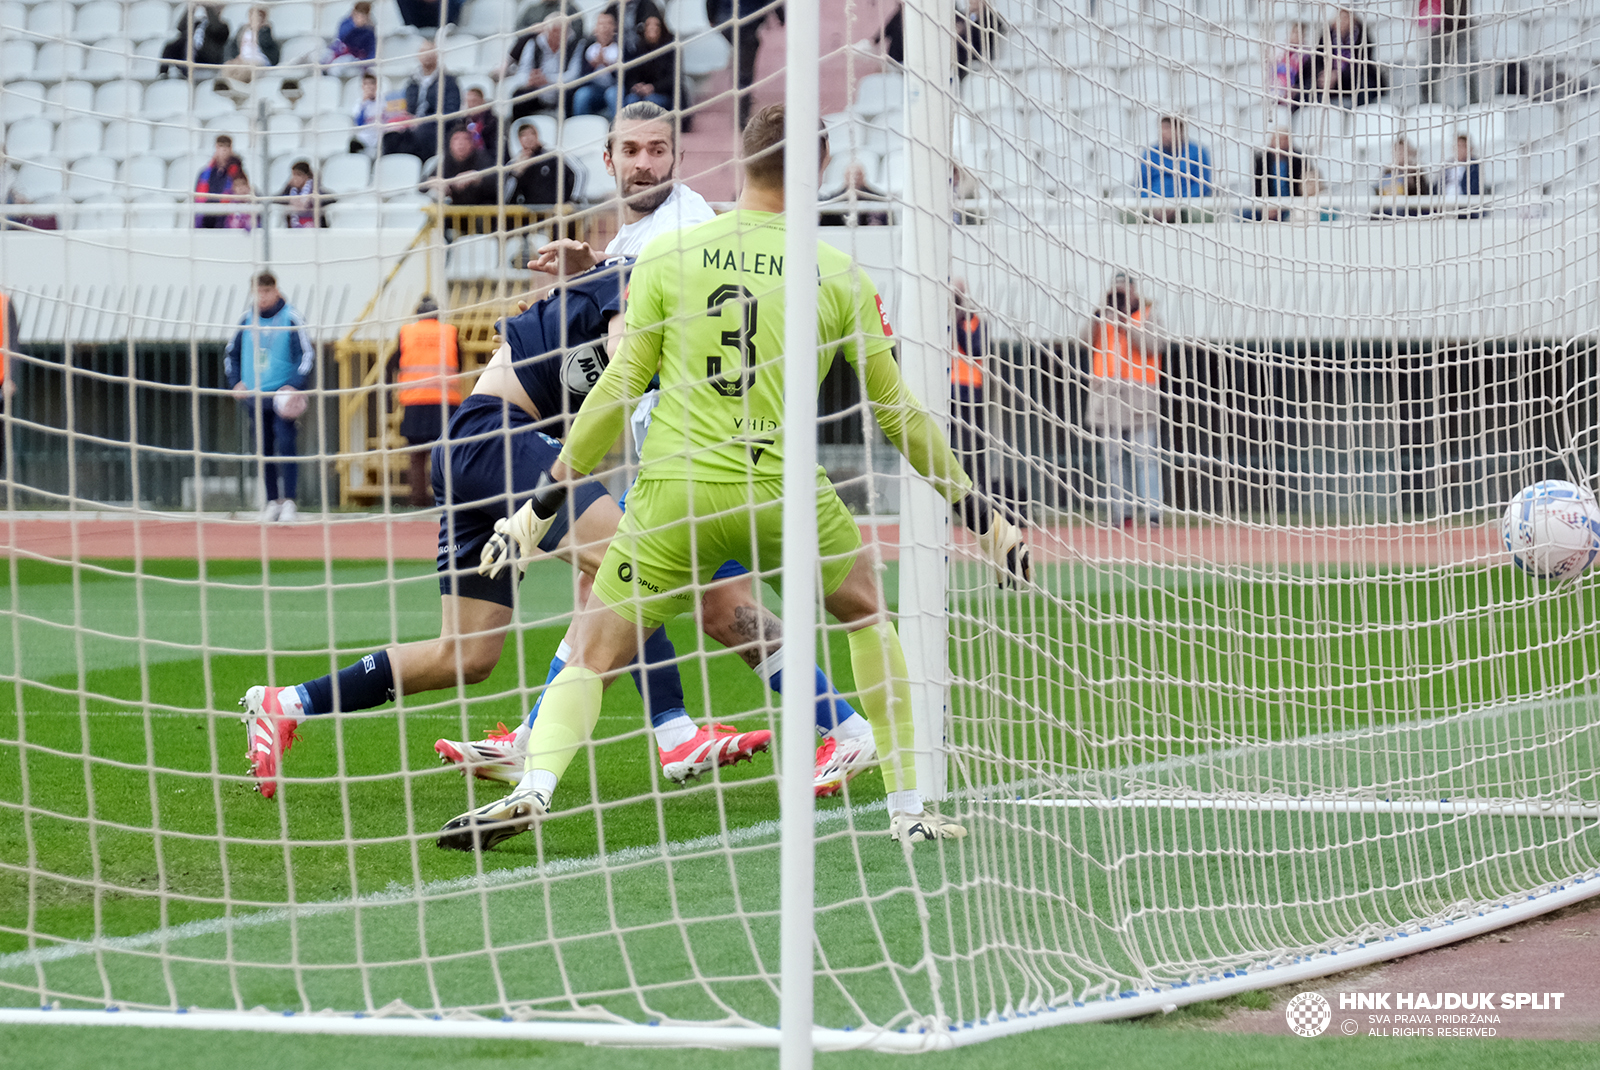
<point>564,256</point>
<point>516,538</point>
<point>999,539</point>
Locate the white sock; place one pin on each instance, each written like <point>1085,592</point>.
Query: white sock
<point>771,666</point>
<point>519,738</point>
<point>675,733</point>
<point>908,801</point>
<point>851,727</point>
<point>564,651</point>
<point>541,780</point>
<point>292,701</point>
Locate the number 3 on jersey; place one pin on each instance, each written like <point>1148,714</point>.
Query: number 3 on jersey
<point>740,338</point>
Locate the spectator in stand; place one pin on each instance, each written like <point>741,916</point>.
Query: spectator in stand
<point>741,22</point>
<point>537,12</point>
<point>429,365</point>
<point>1346,73</point>
<point>978,32</point>
<point>243,216</point>
<point>1451,74</point>
<point>537,177</point>
<point>1124,407</point>
<point>543,63</point>
<point>637,11</point>
<point>424,14</point>
<point>466,174</point>
<point>967,408</point>
<point>601,55</point>
<point>268,364</point>
<point>430,96</point>
<point>368,117</point>
<point>1403,178</point>
<point>251,48</point>
<point>8,348</point>
<point>357,41</point>
<point>1294,69</point>
<point>217,179</point>
<point>651,69</point>
<point>202,39</point>
<point>482,124</point>
<point>1174,167</point>
<point>304,198</point>
<point>848,207</point>
<point>1282,171</point>
<point>1461,176</point>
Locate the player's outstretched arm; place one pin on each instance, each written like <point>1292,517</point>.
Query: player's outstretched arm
<point>921,441</point>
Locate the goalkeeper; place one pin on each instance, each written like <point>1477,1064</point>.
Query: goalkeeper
<point>710,486</point>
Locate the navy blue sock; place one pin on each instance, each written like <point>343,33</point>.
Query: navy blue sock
<point>361,686</point>
<point>831,706</point>
<point>661,687</point>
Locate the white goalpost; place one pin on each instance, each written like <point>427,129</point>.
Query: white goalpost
<point>1252,322</point>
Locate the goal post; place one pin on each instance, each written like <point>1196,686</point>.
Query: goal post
<point>1274,704</point>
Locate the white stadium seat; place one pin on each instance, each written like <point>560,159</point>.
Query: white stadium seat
<point>151,18</point>
<point>118,99</point>
<point>328,135</point>
<point>79,137</point>
<point>318,93</point>
<point>30,137</point>
<point>285,133</point>
<point>126,139</point>
<point>153,212</point>
<point>143,174</point>
<point>166,99</point>
<point>97,21</point>
<point>170,141</point>
<point>21,100</point>
<point>208,103</point>
<point>292,20</point>
<point>94,176</point>
<point>488,17</point>
<point>397,175</point>
<point>41,178</point>
<point>16,59</point>
<point>232,123</point>
<point>878,93</point>
<point>347,173</point>
<point>705,54</point>
<point>67,99</point>
<point>356,213</point>
<point>103,211</point>
<point>182,172</point>
<point>51,20</point>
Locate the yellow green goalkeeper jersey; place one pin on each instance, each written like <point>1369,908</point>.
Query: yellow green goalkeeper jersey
<point>705,312</point>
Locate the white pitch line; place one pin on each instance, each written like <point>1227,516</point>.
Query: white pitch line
<point>398,893</point>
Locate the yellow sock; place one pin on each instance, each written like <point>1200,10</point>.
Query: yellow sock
<point>566,720</point>
<point>881,677</point>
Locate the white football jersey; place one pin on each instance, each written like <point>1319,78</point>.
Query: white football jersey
<point>682,208</point>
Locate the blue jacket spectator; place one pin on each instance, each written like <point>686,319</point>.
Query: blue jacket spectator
<point>1461,175</point>
<point>1175,166</point>
<point>357,40</point>
<point>271,348</point>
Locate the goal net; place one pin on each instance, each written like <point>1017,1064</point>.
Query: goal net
<point>1254,315</point>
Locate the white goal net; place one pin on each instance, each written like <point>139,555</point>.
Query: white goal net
<point>1252,315</point>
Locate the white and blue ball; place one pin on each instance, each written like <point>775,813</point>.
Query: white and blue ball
<point>1552,530</point>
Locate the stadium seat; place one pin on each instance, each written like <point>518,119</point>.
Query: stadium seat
<point>41,178</point>
<point>149,19</point>
<point>16,59</point>
<point>706,54</point>
<point>583,140</point>
<point>50,20</point>
<point>65,100</point>
<point>894,174</point>
<point>115,100</point>
<point>171,141</point>
<point>144,174</point>
<point>292,20</point>
<point>182,172</point>
<point>485,18</point>
<point>153,212</point>
<point>684,17</point>
<point>21,100</point>
<point>97,21</point>
<point>115,59</point>
<point>234,124</point>
<point>79,137</point>
<point>301,53</point>
<point>395,175</point>
<point>318,93</point>
<point>329,135</point>
<point>13,14</point>
<point>285,133</point>
<point>878,93</point>
<point>93,176</point>
<point>1501,40</point>
<point>126,139</point>
<point>30,137</point>
<point>103,211</point>
<point>408,213</point>
<point>1485,128</point>
<point>983,93</point>
<point>832,182</point>
<point>397,55</point>
<point>460,55</point>
<point>358,213</point>
<point>208,103</point>
<point>347,173</point>
<point>1532,123</point>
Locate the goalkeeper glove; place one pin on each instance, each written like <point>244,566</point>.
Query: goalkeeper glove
<point>999,539</point>
<point>516,538</point>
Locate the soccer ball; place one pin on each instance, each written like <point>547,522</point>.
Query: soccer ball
<point>1553,530</point>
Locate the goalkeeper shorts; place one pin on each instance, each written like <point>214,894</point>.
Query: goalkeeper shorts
<point>471,462</point>
<point>676,536</point>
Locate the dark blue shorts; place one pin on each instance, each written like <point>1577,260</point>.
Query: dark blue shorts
<point>471,461</point>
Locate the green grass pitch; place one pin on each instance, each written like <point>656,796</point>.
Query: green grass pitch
<point>142,827</point>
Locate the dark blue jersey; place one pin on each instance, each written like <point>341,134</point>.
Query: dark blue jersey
<point>558,347</point>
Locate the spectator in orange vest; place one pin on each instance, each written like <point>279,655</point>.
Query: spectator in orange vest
<point>967,435</point>
<point>8,345</point>
<point>430,390</point>
<point>1125,401</point>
